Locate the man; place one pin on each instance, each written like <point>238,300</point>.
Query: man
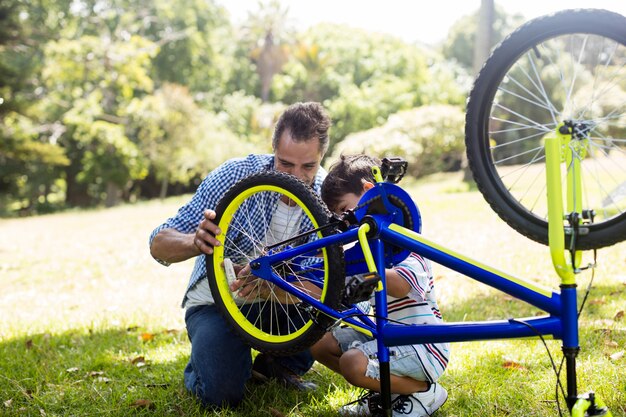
<point>220,362</point>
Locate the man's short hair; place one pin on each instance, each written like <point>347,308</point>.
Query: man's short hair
<point>304,121</point>
<point>347,176</point>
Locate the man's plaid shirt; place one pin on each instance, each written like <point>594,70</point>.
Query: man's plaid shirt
<point>209,193</point>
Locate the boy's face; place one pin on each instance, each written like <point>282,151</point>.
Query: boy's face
<point>346,202</point>
<point>349,201</point>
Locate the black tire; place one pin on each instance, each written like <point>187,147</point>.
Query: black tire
<point>287,326</point>
<point>567,66</point>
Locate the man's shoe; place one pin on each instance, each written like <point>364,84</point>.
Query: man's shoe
<point>419,404</point>
<point>266,368</point>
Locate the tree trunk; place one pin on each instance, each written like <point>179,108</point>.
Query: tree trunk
<point>76,194</point>
<point>114,195</point>
<point>164,184</point>
<point>484,34</point>
<point>482,48</point>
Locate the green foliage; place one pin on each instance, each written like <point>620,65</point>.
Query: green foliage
<point>250,119</point>
<point>30,161</point>
<point>361,108</point>
<point>180,140</point>
<point>430,138</point>
<point>78,67</point>
<point>117,91</point>
<point>459,44</point>
<point>328,57</point>
<point>192,36</point>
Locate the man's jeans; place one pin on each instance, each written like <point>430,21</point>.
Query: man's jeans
<point>221,362</point>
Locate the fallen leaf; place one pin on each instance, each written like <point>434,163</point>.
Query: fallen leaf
<point>619,315</point>
<point>8,403</point>
<point>513,365</point>
<point>143,404</point>
<point>276,413</point>
<point>71,370</point>
<point>95,373</point>
<point>103,379</point>
<point>596,301</point>
<point>157,385</point>
<point>146,337</point>
<point>611,343</point>
<point>138,360</point>
<point>616,355</point>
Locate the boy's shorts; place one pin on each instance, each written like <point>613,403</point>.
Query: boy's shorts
<point>403,360</point>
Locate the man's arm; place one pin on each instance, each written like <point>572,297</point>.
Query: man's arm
<point>171,246</point>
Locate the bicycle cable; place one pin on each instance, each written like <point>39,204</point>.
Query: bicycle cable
<point>557,372</point>
<point>558,381</point>
<point>582,305</point>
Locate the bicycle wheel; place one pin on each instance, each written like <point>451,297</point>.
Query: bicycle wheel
<point>568,67</point>
<point>277,322</point>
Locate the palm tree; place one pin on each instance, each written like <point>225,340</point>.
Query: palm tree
<point>267,30</point>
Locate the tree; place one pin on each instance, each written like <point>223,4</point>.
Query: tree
<point>268,35</point>
<point>362,77</point>
<point>90,81</point>
<point>484,34</point>
<point>30,161</point>
<point>430,138</point>
<point>30,158</point>
<point>459,44</point>
<point>180,140</point>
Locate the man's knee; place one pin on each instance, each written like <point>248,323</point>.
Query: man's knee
<point>217,390</point>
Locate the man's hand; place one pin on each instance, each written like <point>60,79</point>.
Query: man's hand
<point>247,284</point>
<point>204,239</point>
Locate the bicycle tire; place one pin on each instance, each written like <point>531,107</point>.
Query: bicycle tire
<point>277,324</point>
<point>524,90</point>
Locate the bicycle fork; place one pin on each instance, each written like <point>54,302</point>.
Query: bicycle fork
<point>558,149</point>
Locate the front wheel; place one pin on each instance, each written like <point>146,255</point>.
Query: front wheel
<point>569,67</point>
<point>254,216</point>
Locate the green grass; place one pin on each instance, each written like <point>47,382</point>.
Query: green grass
<point>90,324</point>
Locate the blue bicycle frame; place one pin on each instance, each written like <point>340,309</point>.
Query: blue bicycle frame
<point>376,235</point>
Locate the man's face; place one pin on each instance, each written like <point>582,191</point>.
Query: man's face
<point>301,159</point>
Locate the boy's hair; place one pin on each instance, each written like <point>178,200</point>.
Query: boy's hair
<point>304,121</point>
<point>347,176</point>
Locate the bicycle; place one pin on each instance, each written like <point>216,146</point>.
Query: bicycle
<point>305,270</point>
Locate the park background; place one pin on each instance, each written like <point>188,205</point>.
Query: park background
<point>109,107</point>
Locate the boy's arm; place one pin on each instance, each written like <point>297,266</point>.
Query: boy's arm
<point>397,286</point>
<point>414,273</point>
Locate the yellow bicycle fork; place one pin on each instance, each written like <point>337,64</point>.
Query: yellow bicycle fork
<point>561,147</point>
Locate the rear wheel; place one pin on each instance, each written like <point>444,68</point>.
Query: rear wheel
<point>275,321</point>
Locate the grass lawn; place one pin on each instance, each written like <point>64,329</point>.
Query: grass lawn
<point>91,325</point>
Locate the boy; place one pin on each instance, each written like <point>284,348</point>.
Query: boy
<point>411,299</point>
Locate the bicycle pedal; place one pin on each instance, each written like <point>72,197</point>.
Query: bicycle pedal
<point>360,287</point>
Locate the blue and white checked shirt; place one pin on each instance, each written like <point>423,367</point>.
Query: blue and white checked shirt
<point>209,193</point>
